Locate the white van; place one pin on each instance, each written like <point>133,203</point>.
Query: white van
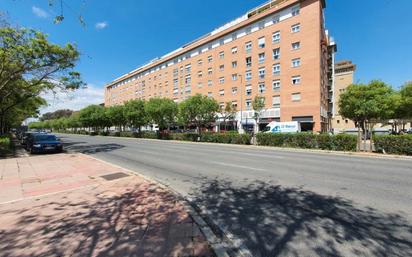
<point>283,127</point>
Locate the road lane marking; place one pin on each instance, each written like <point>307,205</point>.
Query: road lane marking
<point>238,166</point>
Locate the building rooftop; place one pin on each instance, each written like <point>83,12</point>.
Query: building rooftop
<point>344,66</point>
<point>226,28</point>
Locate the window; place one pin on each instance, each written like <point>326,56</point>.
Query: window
<point>261,42</point>
<point>276,37</point>
<point>248,90</point>
<point>276,54</point>
<point>248,62</point>
<point>262,88</point>
<point>276,19</point>
<point>296,62</point>
<point>234,50</point>
<point>209,83</point>
<point>276,101</point>
<point>261,24</point>
<point>234,36</point>
<point>222,55</point>
<point>248,47</point>
<point>234,90</point>
<point>261,58</point>
<point>296,28</point>
<point>234,64</point>
<point>188,68</point>
<point>209,58</point>
<point>200,85</point>
<point>295,11</point>
<point>221,92</point>
<point>199,74</point>
<point>262,73</point>
<point>295,80</point>
<point>234,104</point>
<point>296,97</point>
<point>276,69</point>
<point>248,104</point>
<point>222,67</point>
<point>209,94</point>
<point>234,77</point>
<point>188,80</point>
<point>248,30</point>
<point>276,85</point>
<point>248,75</point>
<point>200,62</point>
<point>296,46</point>
<point>221,80</point>
<point>209,71</point>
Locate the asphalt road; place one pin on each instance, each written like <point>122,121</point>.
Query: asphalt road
<point>279,202</point>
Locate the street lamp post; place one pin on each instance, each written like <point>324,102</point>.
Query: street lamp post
<point>241,104</point>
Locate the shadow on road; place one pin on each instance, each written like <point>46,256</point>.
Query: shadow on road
<point>278,221</point>
<point>85,148</point>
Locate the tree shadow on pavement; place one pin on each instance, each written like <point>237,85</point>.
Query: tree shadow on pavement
<point>277,221</point>
<point>141,221</point>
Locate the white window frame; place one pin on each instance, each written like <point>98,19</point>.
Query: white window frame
<point>296,62</point>
<point>295,28</point>
<point>276,53</point>
<point>296,44</point>
<point>277,70</point>
<point>262,42</point>
<point>296,80</point>
<point>276,84</point>
<point>260,59</point>
<point>262,73</point>
<point>296,97</point>
<point>276,37</point>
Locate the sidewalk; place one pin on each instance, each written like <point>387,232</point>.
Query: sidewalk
<point>74,205</point>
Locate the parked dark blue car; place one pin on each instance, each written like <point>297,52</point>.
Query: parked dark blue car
<point>44,143</point>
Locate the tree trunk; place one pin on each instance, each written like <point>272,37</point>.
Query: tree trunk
<point>365,135</point>
<point>358,147</point>
<point>371,138</point>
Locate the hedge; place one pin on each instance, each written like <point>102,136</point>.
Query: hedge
<point>5,142</point>
<point>341,142</point>
<point>393,144</point>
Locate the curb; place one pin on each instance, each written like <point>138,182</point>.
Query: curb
<point>220,245</point>
<point>273,148</point>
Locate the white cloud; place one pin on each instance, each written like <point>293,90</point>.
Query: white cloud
<point>75,100</point>
<point>39,12</point>
<point>101,25</point>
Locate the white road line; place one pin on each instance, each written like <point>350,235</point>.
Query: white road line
<point>238,166</point>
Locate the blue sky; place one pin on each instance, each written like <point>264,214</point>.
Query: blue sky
<point>118,37</point>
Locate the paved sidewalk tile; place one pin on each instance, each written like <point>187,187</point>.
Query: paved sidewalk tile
<point>62,207</point>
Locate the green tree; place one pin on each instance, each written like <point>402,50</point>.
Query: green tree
<point>258,106</point>
<point>366,105</point>
<point>56,114</point>
<point>31,65</point>
<point>161,111</point>
<point>92,117</point>
<point>198,110</point>
<point>115,114</point>
<point>135,114</point>
<point>404,108</point>
<point>228,112</point>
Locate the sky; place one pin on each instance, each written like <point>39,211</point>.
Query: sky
<point>119,36</point>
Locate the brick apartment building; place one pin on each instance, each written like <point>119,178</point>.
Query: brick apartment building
<point>279,50</point>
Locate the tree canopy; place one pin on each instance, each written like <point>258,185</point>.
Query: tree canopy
<point>29,66</point>
<point>198,110</point>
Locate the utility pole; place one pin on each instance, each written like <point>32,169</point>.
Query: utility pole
<point>241,105</point>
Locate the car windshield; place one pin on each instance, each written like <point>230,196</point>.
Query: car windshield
<point>45,138</point>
